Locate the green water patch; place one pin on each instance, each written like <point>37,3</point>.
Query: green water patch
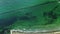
<point>40,21</point>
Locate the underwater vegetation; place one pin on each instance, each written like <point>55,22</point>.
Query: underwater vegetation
<point>51,16</point>
<point>27,16</point>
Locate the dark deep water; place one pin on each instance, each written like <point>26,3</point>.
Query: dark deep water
<point>8,21</point>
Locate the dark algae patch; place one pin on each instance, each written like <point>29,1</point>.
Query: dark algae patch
<point>51,16</point>
<point>27,16</point>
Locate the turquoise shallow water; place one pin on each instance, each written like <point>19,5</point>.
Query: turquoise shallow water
<point>13,5</point>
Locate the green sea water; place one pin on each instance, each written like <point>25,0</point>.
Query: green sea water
<point>20,8</point>
<point>38,24</point>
